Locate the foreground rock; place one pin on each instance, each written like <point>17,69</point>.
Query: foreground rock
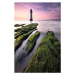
<point>47,56</point>
<point>31,42</point>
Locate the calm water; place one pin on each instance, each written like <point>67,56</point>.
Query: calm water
<point>43,27</point>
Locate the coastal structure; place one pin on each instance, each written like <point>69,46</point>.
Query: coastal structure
<point>31,19</point>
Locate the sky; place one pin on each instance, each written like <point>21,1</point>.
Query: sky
<point>41,11</point>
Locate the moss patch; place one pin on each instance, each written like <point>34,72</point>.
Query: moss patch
<point>32,41</point>
<point>46,57</point>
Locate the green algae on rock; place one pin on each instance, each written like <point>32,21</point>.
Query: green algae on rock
<point>46,57</point>
<point>20,39</point>
<point>25,29</point>
<point>32,41</point>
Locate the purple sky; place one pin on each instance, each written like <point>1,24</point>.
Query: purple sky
<point>41,11</point>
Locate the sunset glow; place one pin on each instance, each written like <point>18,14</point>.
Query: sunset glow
<point>41,11</point>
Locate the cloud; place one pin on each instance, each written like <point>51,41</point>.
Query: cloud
<point>41,6</point>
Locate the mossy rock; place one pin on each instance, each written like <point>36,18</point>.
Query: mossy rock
<point>24,29</point>
<point>20,39</point>
<point>43,61</point>
<point>46,57</point>
<point>32,41</point>
<point>18,25</point>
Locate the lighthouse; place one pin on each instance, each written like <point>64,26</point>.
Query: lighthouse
<point>31,15</point>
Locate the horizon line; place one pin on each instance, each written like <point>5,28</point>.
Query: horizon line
<point>41,20</point>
